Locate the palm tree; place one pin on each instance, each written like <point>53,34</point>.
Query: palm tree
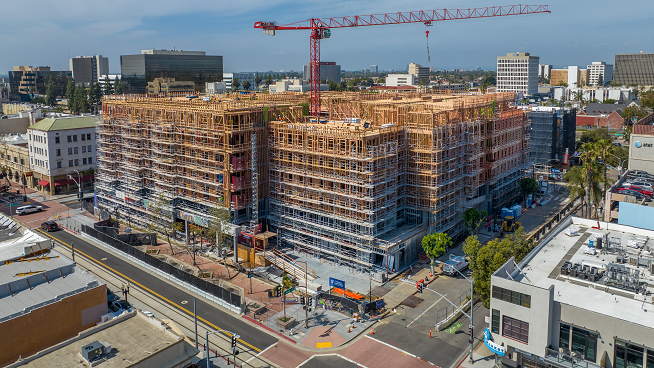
<point>576,185</point>
<point>603,149</point>
<point>591,171</point>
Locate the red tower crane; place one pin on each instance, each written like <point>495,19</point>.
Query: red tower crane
<point>320,29</point>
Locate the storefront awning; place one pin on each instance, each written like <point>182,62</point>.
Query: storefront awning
<point>70,181</point>
<point>44,183</point>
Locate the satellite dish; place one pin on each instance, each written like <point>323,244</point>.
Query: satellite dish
<point>104,215</point>
<point>127,231</point>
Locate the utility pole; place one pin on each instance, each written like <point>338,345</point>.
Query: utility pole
<point>472,307</point>
<point>195,320</point>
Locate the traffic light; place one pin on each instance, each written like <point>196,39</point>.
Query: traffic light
<point>302,299</point>
<point>420,287</point>
<point>310,300</point>
<point>233,342</point>
<point>470,330</point>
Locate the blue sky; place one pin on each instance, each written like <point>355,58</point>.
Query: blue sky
<point>577,32</point>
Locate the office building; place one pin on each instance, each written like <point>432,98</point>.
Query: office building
<point>551,135</point>
<point>544,71</point>
<point>15,157</point>
<point>398,80</point>
<point>45,298</point>
<point>517,72</point>
<point>88,69</point>
<point>419,71</point>
<point>635,69</point>
<point>228,78</point>
<point>60,147</point>
<point>641,148</point>
<point>599,69</point>
<point>170,85</point>
<point>194,66</point>
<point>324,207</point>
<point>27,82</point>
<point>580,298</point>
<point>374,69</point>
<point>558,76</point>
<point>329,71</point>
<point>294,85</point>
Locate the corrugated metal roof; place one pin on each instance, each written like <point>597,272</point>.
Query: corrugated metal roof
<point>79,122</point>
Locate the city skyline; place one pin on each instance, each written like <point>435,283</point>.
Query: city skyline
<point>561,38</point>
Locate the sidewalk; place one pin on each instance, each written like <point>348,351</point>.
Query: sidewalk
<point>484,358</point>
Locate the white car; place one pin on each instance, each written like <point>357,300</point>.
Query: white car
<point>644,185</point>
<point>28,209</point>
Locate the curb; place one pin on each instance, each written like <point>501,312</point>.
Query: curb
<point>251,320</point>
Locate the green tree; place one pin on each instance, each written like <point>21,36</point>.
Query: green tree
<point>97,95</point>
<point>473,219</point>
<point>39,100</point>
<point>381,80</point>
<point>632,114</point>
<point>471,247</point>
<point>287,283</point>
<point>219,231</point>
<point>592,174</point>
<point>70,94</point>
<point>246,85</point>
<point>604,148</point>
<point>600,80</point>
<point>118,86</point>
<point>562,84</point>
<point>257,79</point>
<point>647,99</point>
<point>576,185</point>
<point>236,84</point>
<point>592,136</point>
<point>269,81</point>
<point>50,94</point>
<point>107,89</point>
<point>528,186</point>
<point>332,85</point>
<point>609,101</point>
<point>489,79</point>
<point>483,88</point>
<point>434,245</point>
<point>81,100</point>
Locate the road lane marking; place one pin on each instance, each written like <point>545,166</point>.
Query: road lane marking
<point>149,290</point>
<point>183,302</point>
<point>426,310</point>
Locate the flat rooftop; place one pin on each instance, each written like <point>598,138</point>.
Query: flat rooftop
<point>133,337</point>
<point>542,268</point>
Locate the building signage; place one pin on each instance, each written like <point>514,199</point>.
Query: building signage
<point>336,283</point>
<point>639,145</point>
<point>491,345</point>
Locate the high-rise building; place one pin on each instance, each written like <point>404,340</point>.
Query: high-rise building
<point>87,69</point>
<point>374,69</point>
<point>195,66</point>
<point>635,69</point>
<point>544,71</point>
<point>597,69</point>
<point>329,71</point>
<point>517,72</point>
<point>419,71</point>
<point>27,82</point>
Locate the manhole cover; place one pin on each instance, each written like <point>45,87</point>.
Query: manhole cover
<point>184,302</point>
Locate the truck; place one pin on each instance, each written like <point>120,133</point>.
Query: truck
<point>454,264</point>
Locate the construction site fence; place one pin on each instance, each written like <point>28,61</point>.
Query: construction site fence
<point>130,239</point>
<point>88,206</point>
<point>208,287</point>
<point>422,321</point>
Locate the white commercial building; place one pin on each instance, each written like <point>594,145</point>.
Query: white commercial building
<point>419,71</point>
<point>517,72</point>
<point>398,80</point>
<point>60,147</point>
<point>374,69</point>
<point>242,77</point>
<point>294,85</point>
<point>600,94</point>
<point>108,77</point>
<point>580,298</point>
<point>598,68</point>
<point>212,88</point>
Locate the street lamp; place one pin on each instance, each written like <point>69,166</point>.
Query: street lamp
<point>620,161</point>
<point>472,307</point>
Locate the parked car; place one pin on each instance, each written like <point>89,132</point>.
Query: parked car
<point>119,306</point>
<point>28,209</point>
<point>640,173</point>
<point>49,226</point>
<point>637,182</point>
<point>454,264</point>
<point>637,189</point>
<point>635,194</point>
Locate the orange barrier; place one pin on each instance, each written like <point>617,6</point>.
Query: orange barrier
<point>347,293</point>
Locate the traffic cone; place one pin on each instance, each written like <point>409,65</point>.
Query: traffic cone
<point>372,332</point>
<point>348,328</point>
<point>430,333</point>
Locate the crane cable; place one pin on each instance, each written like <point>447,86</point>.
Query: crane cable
<point>427,24</point>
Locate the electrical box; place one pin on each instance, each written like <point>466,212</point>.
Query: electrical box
<point>92,351</point>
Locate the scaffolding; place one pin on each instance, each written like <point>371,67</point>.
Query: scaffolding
<point>358,185</point>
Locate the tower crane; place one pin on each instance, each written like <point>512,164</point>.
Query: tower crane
<point>321,29</point>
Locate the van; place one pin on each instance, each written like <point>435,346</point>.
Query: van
<point>454,264</point>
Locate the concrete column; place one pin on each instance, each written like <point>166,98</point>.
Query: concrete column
<point>237,231</point>
<point>186,231</point>
<point>397,261</point>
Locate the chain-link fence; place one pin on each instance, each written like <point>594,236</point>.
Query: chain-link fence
<point>425,318</point>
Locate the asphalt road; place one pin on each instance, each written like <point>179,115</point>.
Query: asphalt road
<point>329,361</point>
<point>169,294</point>
<point>443,349</point>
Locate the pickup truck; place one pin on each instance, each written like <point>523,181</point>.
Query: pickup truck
<point>454,264</point>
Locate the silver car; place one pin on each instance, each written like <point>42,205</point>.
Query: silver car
<point>23,210</point>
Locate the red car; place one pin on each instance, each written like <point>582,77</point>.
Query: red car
<point>638,189</point>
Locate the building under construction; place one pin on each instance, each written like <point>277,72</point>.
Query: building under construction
<point>360,186</point>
